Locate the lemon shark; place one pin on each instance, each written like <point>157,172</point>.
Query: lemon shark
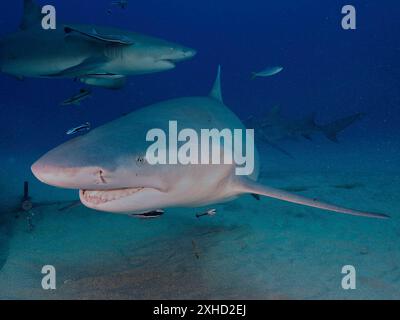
<point>109,166</point>
<point>99,56</point>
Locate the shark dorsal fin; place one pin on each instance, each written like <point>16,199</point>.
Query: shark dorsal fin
<point>32,15</point>
<point>216,92</point>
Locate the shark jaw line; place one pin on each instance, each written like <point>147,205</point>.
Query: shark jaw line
<point>101,197</point>
<point>167,63</point>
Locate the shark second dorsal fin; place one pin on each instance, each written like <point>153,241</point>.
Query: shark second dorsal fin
<point>216,92</point>
<point>32,15</point>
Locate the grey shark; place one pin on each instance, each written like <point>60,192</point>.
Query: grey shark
<point>109,166</point>
<point>99,56</point>
<point>273,127</point>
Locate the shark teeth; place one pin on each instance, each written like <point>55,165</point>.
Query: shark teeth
<point>97,197</point>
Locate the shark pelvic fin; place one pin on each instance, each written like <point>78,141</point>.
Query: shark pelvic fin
<point>216,92</point>
<point>92,34</point>
<point>32,15</point>
<point>252,187</point>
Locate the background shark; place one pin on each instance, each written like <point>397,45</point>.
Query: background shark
<point>109,167</point>
<point>98,56</point>
<point>274,127</point>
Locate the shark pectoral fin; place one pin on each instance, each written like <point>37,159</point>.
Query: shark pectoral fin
<point>113,82</point>
<point>83,68</point>
<point>92,34</point>
<point>252,187</point>
<point>32,15</point>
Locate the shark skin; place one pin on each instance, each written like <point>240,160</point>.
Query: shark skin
<point>95,55</point>
<point>109,167</point>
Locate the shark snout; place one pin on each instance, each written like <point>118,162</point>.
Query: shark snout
<point>188,53</point>
<point>70,177</point>
<point>178,54</point>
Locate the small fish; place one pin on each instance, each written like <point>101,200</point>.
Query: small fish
<point>149,215</point>
<point>268,72</point>
<point>83,127</point>
<point>209,213</point>
<point>77,99</point>
<point>123,4</point>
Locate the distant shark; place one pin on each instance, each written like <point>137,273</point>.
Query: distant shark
<point>109,166</point>
<point>98,56</point>
<point>274,127</point>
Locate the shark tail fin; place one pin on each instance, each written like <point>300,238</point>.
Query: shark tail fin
<point>216,92</point>
<point>32,15</point>
<point>331,130</point>
<point>253,75</point>
<point>248,186</point>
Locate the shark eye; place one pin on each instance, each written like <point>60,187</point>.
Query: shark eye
<point>101,177</point>
<point>140,160</point>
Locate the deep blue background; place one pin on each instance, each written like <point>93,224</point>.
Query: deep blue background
<point>327,69</point>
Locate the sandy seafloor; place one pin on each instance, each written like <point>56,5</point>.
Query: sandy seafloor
<point>251,250</point>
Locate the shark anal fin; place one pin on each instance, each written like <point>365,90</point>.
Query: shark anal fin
<point>256,188</point>
<point>92,34</point>
<point>32,15</point>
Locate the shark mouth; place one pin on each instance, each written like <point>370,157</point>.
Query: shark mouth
<point>168,63</point>
<point>99,197</point>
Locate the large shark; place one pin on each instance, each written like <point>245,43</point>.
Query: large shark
<point>98,56</point>
<point>109,165</point>
<point>273,127</point>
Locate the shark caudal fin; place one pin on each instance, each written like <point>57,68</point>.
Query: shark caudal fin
<point>332,130</point>
<point>252,187</point>
<point>32,15</point>
<point>216,92</point>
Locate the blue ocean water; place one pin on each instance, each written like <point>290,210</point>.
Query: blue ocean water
<point>327,70</point>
